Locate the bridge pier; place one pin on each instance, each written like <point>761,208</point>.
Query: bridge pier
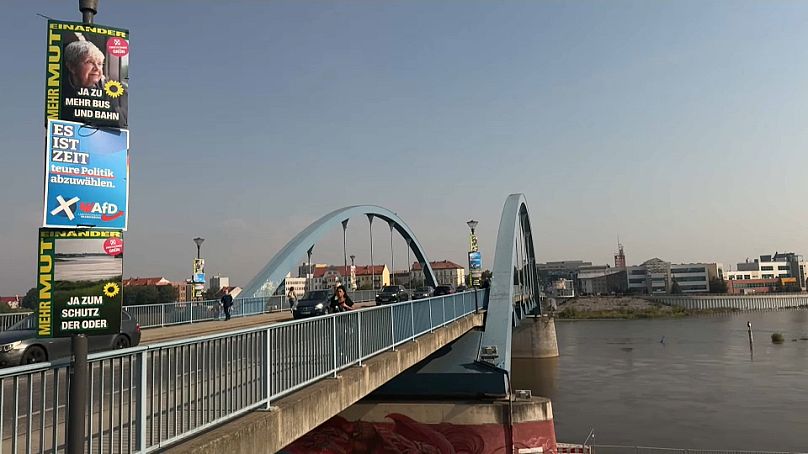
<point>535,338</point>
<point>494,426</point>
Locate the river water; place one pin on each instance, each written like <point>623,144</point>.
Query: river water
<point>688,383</point>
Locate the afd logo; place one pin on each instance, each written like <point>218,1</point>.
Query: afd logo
<point>108,211</point>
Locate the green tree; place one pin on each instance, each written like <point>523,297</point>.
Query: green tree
<point>167,294</point>
<point>718,285</point>
<point>31,299</point>
<point>675,289</point>
<point>211,293</point>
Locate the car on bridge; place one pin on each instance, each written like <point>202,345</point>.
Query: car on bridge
<point>444,290</point>
<point>313,303</point>
<point>19,344</point>
<point>423,292</point>
<point>392,294</point>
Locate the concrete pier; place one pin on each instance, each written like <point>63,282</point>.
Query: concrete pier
<point>535,338</point>
<point>485,427</point>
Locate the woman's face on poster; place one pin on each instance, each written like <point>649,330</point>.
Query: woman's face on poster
<point>89,71</point>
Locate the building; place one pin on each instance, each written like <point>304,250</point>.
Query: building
<point>367,277</point>
<point>446,272</point>
<point>602,282</point>
<point>620,257</point>
<point>656,276</point>
<point>219,282</point>
<point>142,281</point>
<point>13,302</point>
<point>752,286</point>
<point>778,266</point>
<point>185,290</point>
<point>562,288</point>
<point>297,283</point>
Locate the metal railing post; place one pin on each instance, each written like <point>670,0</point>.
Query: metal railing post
<point>163,315</point>
<point>412,318</point>
<point>334,343</point>
<point>191,306</point>
<point>392,329</point>
<point>431,323</point>
<point>359,335</point>
<point>443,305</point>
<point>141,402</point>
<point>267,370</point>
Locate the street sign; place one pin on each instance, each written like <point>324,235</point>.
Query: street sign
<point>79,282</point>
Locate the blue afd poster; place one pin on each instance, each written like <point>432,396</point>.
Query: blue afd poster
<point>86,176</point>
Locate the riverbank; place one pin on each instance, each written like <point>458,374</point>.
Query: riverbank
<point>622,307</point>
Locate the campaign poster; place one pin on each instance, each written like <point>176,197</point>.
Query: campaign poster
<point>475,268</point>
<point>87,74</point>
<point>79,282</point>
<point>86,176</point>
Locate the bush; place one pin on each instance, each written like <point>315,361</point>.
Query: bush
<point>777,338</point>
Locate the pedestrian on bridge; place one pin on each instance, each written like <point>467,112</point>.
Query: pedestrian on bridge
<point>227,303</point>
<point>292,297</point>
<point>341,302</point>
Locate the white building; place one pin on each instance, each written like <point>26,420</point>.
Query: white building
<point>777,266</point>
<point>658,276</point>
<point>219,281</point>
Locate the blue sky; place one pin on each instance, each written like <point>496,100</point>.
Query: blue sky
<point>677,125</point>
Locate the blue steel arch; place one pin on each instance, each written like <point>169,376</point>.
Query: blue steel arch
<point>267,280</point>
<point>514,228</point>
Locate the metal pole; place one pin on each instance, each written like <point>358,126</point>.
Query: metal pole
<point>409,263</point>
<point>345,253</point>
<point>372,268</point>
<point>88,8</point>
<point>392,265</point>
<point>78,395</point>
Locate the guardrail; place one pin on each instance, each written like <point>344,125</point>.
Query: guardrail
<point>178,313</point>
<point>9,319</point>
<point>619,449</point>
<point>741,302</point>
<point>144,398</point>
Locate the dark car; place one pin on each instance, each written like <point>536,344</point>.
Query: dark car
<point>461,288</point>
<point>314,303</point>
<point>20,345</point>
<point>444,290</point>
<point>423,292</point>
<point>392,294</point>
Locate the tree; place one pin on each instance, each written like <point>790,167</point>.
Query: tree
<point>211,293</point>
<point>718,285</point>
<point>167,294</point>
<point>31,299</point>
<point>675,289</point>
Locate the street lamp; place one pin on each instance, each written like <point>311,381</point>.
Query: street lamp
<point>472,225</point>
<point>198,242</point>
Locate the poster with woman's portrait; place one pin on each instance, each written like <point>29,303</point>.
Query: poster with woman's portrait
<point>87,78</point>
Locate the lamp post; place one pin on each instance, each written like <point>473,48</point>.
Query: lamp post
<point>372,268</point>
<point>344,254</point>
<point>392,264</point>
<point>199,268</point>
<point>409,263</point>
<point>475,262</point>
<point>198,242</point>
<point>353,273</point>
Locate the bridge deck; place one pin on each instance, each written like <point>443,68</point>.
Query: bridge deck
<point>154,335</point>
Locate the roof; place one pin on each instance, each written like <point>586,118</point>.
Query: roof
<point>10,299</point>
<point>138,281</point>
<point>442,265</point>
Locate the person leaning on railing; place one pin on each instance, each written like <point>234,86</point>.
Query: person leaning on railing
<point>341,302</point>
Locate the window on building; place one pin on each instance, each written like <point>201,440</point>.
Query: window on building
<point>636,281</point>
<point>783,268</point>
<point>766,268</point>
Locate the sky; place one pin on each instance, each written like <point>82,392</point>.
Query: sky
<point>677,126</point>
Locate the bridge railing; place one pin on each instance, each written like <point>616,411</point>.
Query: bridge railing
<point>178,313</point>
<point>144,398</point>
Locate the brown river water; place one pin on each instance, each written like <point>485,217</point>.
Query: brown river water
<point>686,383</point>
